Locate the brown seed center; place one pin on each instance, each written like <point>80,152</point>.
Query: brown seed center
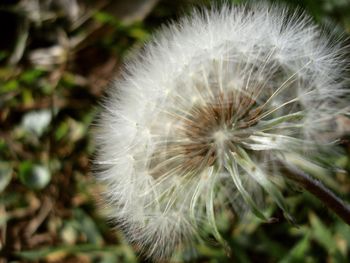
<point>204,134</point>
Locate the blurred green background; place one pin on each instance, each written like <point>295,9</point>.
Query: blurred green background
<point>56,60</point>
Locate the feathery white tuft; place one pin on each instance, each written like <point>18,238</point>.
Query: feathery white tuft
<point>211,106</point>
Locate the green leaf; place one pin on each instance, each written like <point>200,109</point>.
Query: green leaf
<point>9,86</point>
<point>88,227</point>
<point>5,175</point>
<point>50,251</point>
<point>297,253</point>
<point>61,131</point>
<point>322,234</point>
<point>3,54</point>
<point>106,18</point>
<point>344,231</point>
<point>65,250</point>
<point>31,76</point>
<point>34,176</point>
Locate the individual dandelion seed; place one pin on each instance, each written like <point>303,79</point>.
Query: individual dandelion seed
<point>221,101</point>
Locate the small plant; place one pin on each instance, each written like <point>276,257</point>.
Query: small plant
<point>217,106</point>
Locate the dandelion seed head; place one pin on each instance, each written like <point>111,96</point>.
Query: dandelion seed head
<point>209,108</point>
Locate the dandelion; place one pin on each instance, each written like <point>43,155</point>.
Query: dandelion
<point>208,113</point>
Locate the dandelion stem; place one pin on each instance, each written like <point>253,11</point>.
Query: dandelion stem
<point>320,191</point>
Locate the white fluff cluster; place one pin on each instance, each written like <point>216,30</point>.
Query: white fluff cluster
<point>210,107</point>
